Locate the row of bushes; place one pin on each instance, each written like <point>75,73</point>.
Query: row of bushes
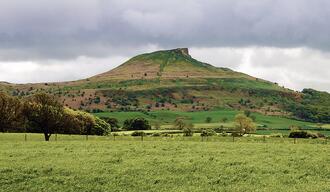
<point>210,132</point>
<point>305,134</point>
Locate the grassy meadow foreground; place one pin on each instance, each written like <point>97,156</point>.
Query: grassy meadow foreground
<point>162,164</point>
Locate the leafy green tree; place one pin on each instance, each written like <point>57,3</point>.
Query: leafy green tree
<point>87,123</point>
<point>70,123</point>
<point>101,127</point>
<point>244,124</point>
<point>113,122</point>
<point>10,113</point>
<point>136,124</point>
<point>44,114</point>
<point>179,123</point>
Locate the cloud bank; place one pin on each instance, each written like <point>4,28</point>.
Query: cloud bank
<point>45,32</point>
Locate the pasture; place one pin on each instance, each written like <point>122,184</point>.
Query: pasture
<point>166,119</point>
<point>162,164</point>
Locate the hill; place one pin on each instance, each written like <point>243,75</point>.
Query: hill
<point>169,64</point>
<point>173,80</point>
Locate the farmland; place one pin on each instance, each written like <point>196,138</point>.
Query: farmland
<point>166,118</point>
<point>162,164</point>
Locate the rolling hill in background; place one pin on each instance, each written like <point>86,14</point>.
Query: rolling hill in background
<point>173,80</point>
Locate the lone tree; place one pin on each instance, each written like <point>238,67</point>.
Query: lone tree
<point>10,112</point>
<point>244,124</point>
<point>44,113</point>
<point>179,123</point>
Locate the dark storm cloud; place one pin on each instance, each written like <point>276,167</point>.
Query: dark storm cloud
<point>62,29</point>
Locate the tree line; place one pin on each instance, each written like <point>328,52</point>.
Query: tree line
<point>43,113</point>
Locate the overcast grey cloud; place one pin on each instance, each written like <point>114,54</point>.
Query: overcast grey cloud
<point>60,33</point>
<point>63,29</point>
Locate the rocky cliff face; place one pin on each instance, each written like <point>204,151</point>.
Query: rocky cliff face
<point>184,51</point>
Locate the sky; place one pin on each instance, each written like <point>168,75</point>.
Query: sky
<point>282,41</point>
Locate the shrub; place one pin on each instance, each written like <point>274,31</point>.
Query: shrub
<point>187,132</point>
<point>276,135</point>
<point>305,134</point>
<point>208,132</point>
<point>224,134</point>
<point>138,133</point>
<point>165,135</point>
<point>156,134</point>
<point>219,129</point>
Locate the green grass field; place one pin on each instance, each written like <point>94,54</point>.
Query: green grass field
<point>166,118</point>
<point>162,164</point>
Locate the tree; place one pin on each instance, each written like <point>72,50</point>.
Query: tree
<point>244,124</point>
<point>10,113</point>
<point>71,124</point>
<point>100,127</point>
<point>113,122</point>
<point>136,124</point>
<point>179,123</point>
<point>188,130</point>
<point>87,122</point>
<point>208,119</point>
<point>44,113</point>
<point>79,122</point>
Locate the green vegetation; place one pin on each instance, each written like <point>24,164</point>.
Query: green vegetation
<point>315,106</point>
<point>244,125</point>
<point>219,117</point>
<point>43,113</point>
<point>136,124</point>
<point>162,164</point>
